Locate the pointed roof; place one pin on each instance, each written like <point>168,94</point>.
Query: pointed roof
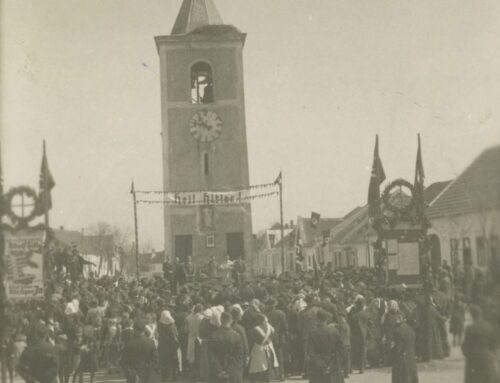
<point>195,14</point>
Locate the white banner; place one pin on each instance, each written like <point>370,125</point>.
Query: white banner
<point>24,261</point>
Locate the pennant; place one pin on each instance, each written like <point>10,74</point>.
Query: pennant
<point>418,185</point>
<point>376,179</point>
<point>315,219</point>
<point>47,183</point>
<point>278,180</point>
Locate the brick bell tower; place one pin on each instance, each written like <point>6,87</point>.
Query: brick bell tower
<point>204,134</point>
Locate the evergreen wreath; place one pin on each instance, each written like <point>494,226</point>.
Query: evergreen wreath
<point>7,203</point>
<point>386,197</point>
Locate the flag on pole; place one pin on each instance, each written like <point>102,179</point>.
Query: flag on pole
<point>47,183</point>
<point>315,219</point>
<point>418,184</point>
<point>377,177</point>
<point>278,179</point>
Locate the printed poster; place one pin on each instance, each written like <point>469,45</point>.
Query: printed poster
<point>409,262</point>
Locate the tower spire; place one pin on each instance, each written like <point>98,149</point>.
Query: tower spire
<point>195,14</point>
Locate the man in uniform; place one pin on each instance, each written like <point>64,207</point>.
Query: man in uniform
<point>325,351</point>
<point>227,352</point>
<point>139,355</point>
<point>404,360</point>
<point>38,363</point>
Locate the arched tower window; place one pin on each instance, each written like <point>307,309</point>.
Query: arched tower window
<point>202,91</point>
<point>206,165</point>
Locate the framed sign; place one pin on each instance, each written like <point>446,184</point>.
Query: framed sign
<point>210,241</point>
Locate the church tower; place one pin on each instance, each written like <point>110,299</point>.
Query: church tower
<point>204,134</point>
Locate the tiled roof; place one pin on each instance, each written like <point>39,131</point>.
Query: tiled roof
<point>477,189</point>
<point>86,244</point>
<point>434,190</point>
<point>195,14</point>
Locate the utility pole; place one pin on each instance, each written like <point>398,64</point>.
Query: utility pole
<point>280,183</point>
<point>132,191</point>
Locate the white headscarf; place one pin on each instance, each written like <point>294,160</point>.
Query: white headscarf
<point>166,317</point>
<point>208,313</point>
<point>215,318</point>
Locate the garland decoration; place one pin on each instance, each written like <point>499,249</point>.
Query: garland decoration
<point>203,202</point>
<point>387,194</point>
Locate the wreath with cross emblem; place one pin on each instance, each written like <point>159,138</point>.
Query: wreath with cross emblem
<point>400,203</point>
<point>21,205</point>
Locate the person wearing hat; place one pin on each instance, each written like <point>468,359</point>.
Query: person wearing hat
<point>227,353</point>
<point>168,344</point>
<point>345,335</point>
<point>404,361</point>
<point>358,321</point>
<point>236,313</point>
<point>325,351</point>
<point>139,355</point>
<point>307,322</point>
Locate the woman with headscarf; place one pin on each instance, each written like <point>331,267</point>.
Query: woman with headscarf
<point>389,325</point>
<point>192,327</point>
<point>262,357</point>
<point>168,344</point>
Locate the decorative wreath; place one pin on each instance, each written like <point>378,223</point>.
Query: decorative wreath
<point>386,197</point>
<point>23,221</point>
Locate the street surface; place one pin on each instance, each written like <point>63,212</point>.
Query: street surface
<point>443,371</point>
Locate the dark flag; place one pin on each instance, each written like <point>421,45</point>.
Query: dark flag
<point>278,180</point>
<point>315,219</point>
<point>377,177</point>
<point>47,183</point>
<point>418,185</point>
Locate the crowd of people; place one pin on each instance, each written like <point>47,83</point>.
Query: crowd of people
<point>322,326</point>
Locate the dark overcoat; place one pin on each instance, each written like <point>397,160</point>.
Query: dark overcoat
<point>227,355</point>
<point>478,348</point>
<point>326,351</point>
<point>404,362</point>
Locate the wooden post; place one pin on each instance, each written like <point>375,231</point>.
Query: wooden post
<point>132,191</point>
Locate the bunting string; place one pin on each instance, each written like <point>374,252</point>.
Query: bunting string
<point>193,198</point>
<point>251,187</point>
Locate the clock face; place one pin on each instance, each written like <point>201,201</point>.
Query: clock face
<point>206,126</point>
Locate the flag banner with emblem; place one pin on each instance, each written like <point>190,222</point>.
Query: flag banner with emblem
<point>377,177</point>
<point>315,217</point>
<point>418,185</point>
<point>24,264</point>
<point>47,183</point>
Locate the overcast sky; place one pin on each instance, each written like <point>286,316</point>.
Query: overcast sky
<point>322,77</point>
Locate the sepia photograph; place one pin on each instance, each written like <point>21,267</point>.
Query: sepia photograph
<point>249,191</point>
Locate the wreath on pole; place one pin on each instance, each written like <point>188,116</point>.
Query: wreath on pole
<point>23,191</point>
<point>400,209</point>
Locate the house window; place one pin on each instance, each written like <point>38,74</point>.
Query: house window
<point>201,83</point>
<point>454,252</point>
<point>494,246</point>
<point>466,252</point>
<point>206,164</point>
<point>272,239</point>
<point>482,258</point>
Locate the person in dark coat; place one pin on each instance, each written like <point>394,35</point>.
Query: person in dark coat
<point>307,322</point>
<point>39,361</point>
<point>227,352</point>
<point>479,349</point>
<point>457,320</point>
<point>139,355</point>
<point>168,344</point>
<point>358,321</point>
<point>325,352</point>
<point>277,319</point>
<point>236,313</point>
<point>404,360</point>
<point>250,320</point>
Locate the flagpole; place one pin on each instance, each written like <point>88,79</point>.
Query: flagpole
<point>48,263</point>
<point>132,191</point>
<point>282,228</point>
